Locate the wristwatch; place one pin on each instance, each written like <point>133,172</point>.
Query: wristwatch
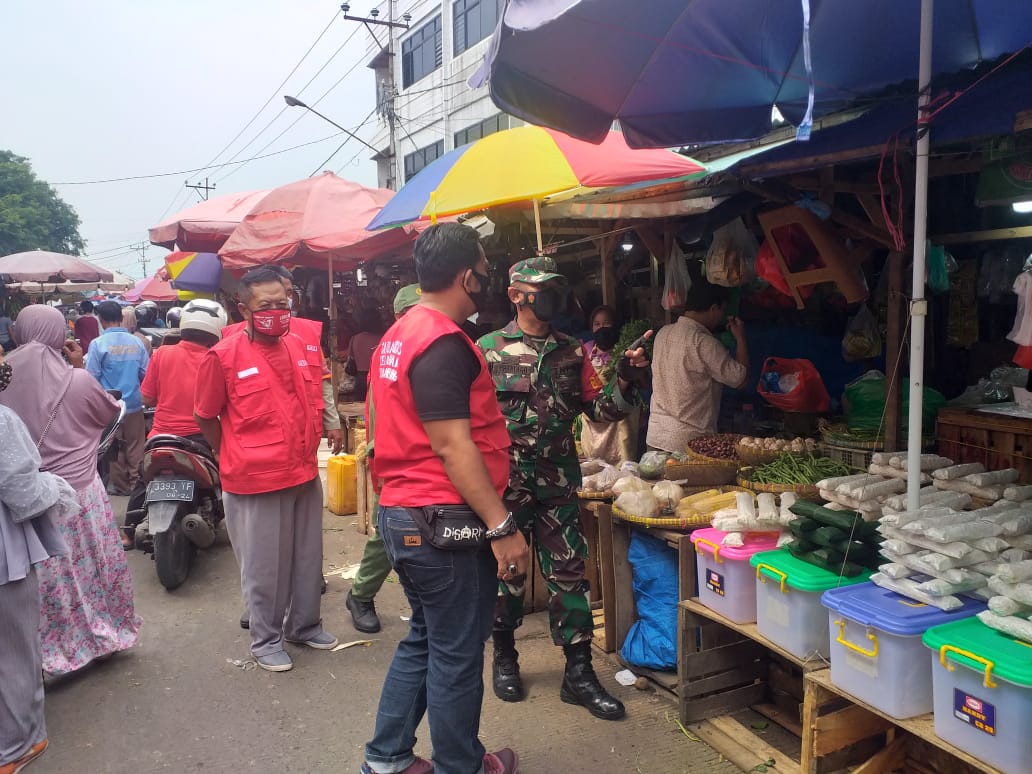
<point>506,528</point>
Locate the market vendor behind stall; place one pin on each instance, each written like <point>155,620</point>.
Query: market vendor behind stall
<point>690,367</point>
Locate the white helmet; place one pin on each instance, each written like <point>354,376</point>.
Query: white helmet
<point>205,315</point>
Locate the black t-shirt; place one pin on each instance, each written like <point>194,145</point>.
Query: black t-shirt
<point>441,378</point>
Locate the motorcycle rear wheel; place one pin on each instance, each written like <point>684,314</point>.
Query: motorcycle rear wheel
<point>173,554</point>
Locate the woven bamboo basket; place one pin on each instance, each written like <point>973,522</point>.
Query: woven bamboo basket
<point>750,455</point>
<point>584,494</point>
<point>699,470</point>
<point>662,522</point>
<point>803,491</point>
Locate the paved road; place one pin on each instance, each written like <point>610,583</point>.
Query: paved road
<point>177,702</point>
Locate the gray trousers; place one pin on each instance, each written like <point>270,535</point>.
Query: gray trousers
<point>125,467</point>
<point>21,669</point>
<point>277,539</point>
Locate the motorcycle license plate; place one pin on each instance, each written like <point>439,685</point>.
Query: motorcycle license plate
<point>170,490</point>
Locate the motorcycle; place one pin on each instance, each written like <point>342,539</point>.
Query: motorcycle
<point>107,438</point>
<point>183,506</point>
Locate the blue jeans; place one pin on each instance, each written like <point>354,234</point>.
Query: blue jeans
<point>439,666</point>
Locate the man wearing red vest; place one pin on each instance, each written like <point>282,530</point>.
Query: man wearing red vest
<point>259,401</point>
<point>440,440</point>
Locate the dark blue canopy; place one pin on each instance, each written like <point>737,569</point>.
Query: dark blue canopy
<point>677,72</point>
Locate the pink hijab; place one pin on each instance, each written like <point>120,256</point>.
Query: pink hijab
<point>40,379</point>
<point>40,375</point>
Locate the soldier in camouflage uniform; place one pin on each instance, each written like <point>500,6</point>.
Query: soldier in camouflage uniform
<point>537,375</point>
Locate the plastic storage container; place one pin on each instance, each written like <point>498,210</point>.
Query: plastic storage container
<point>341,484</point>
<point>788,601</point>
<point>726,583</point>
<point>982,685</point>
<point>876,649</point>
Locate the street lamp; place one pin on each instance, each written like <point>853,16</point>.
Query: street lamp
<point>295,102</point>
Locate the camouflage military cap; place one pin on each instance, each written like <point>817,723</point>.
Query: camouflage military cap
<point>406,297</point>
<point>535,271</point>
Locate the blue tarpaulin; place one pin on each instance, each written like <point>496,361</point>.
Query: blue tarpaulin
<point>652,640</point>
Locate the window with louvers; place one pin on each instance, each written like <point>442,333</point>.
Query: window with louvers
<point>421,52</point>
<point>416,160</point>
<point>474,21</point>
<point>483,129</point>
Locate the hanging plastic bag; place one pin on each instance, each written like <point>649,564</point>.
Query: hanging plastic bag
<point>862,340</point>
<point>799,253</point>
<point>937,269</point>
<point>793,385</point>
<point>731,260</point>
<point>678,281</point>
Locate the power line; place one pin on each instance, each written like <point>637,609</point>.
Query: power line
<point>197,169</point>
<point>253,118</point>
<point>295,121</point>
<point>339,147</point>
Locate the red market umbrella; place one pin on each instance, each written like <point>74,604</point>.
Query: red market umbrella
<point>205,226</point>
<point>42,266</point>
<point>152,289</point>
<point>315,222</point>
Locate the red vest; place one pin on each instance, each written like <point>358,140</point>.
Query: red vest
<point>405,468</point>
<point>309,330</point>
<point>266,445</point>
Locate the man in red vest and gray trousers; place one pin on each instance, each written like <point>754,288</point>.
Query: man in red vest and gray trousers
<point>441,466</point>
<point>259,402</point>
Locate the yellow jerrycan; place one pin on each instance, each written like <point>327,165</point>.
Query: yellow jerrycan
<point>341,484</point>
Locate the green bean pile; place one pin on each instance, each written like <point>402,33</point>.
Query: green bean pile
<point>795,470</point>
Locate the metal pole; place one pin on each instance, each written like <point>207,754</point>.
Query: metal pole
<point>537,225</point>
<point>390,96</point>
<point>918,304</point>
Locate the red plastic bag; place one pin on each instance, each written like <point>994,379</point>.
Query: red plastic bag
<point>803,388</point>
<point>799,254</point>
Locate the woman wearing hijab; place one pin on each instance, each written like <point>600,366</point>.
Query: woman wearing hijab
<point>614,442</point>
<point>28,499</point>
<point>87,594</point>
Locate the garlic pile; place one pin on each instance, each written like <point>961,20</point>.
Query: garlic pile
<point>798,445</point>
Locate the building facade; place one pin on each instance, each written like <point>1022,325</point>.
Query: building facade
<point>425,94</point>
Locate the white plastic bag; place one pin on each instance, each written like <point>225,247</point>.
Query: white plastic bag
<point>638,503</point>
<point>731,259</point>
<point>862,340</point>
<point>631,484</point>
<point>668,494</point>
<point>677,282</point>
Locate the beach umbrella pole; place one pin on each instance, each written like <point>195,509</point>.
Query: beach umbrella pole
<point>918,303</point>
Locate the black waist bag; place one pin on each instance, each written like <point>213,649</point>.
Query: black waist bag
<point>450,527</point>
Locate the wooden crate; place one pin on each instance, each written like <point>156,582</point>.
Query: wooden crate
<point>995,440</point>
<point>724,667</point>
<point>366,498</point>
<point>841,730</point>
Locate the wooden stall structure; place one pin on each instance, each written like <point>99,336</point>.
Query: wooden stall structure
<point>996,440</point>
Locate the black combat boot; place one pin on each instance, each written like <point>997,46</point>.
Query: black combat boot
<point>581,686</point>
<point>505,668</point>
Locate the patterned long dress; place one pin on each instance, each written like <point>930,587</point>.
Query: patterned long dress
<point>86,594</point>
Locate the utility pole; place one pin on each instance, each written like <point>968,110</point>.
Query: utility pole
<point>202,189</point>
<point>385,105</point>
<point>141,248</point>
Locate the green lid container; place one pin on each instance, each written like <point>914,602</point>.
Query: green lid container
<point>987,651</point>
<point>781,566</point>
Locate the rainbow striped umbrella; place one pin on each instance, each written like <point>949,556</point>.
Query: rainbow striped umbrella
<point>526,164</point>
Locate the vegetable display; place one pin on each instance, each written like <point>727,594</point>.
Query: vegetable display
<point>838,541</point>
<point>628,333</point>
<point>797,470</point>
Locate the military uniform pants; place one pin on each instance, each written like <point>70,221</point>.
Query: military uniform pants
<point>562,553</point>
<point>277,539</point>
<point>375,565</point>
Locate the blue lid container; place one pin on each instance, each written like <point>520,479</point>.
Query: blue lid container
<point>870,605</point>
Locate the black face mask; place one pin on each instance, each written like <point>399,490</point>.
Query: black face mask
<point>605,338</point>
<point>6,372</point>
<point>545,303</point>
<point>479,297</point>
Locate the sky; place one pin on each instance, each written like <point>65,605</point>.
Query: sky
<point>112,89</point>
